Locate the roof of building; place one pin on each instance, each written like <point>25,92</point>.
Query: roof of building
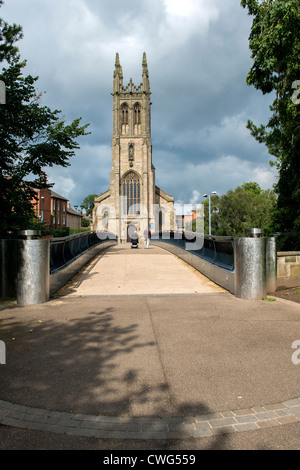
<point>74,212</point>
<point>58,196</point>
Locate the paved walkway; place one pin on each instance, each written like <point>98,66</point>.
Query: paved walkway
<point>107,427</point>
<point>151,367</point>
<point>122,270</point>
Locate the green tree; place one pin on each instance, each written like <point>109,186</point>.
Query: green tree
<point>248,206</point>
<point>32,138</point>
<point>275,44</point>
<point>85,222</point>
<point>9,34</point>
<point>252,188</point>
<point>88,203</point>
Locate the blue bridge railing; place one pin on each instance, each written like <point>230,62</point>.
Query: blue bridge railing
<point>64,250</point>
<point>217,250</point>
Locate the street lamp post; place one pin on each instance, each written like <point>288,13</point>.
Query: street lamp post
<point>213,193</point>
<point>43,199</point>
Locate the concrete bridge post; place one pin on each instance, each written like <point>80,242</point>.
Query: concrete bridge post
<point>33,268</point>
<point>271,264</point>
<point>255,265</point>
<point>250,267</point>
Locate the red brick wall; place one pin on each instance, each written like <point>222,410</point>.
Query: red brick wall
<point>59,210</point>
<point>43,207</point>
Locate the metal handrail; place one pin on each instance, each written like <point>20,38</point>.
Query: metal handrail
<point>64,250</point>
<point>217,250</point>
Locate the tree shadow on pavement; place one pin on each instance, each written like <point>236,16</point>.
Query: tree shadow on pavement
<point>85,363</point>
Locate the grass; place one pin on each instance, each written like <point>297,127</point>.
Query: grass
<point>269,299</point>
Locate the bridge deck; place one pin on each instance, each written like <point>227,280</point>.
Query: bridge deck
<point>150,366</point>
<point>121,270</point>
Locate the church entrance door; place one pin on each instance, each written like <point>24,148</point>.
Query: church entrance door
<point>131,232</point>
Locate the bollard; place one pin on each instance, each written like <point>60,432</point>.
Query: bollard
<point>33,269</point>
<point>271,264</point>
<point>250,267</point>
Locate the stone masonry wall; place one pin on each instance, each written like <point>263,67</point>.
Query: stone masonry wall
<point>288,269</point>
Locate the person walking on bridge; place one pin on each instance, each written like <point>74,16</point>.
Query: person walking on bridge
<point>147,237</point>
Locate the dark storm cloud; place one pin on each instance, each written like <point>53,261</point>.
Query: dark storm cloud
<point>198,60</point>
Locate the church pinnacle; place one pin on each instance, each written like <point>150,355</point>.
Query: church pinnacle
<point>118,68</point>
<point>145,67</point>
<point>118,75</point>
<point>146,84</point>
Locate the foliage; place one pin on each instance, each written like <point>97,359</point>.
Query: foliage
<point>275,44</point>
<point>9,34</point>
<point>37,224</point>
<point>59,232</point>
<point>66,231</point>
<point>85,222</point>
<point>287,241</point>
<point>248,206</point>
<point>73,231</point>
<point>88,203</point>
<point>32,137</point>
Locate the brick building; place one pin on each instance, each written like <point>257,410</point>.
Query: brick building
<point>59,206</point>
<point>55,210</point>
<point>74,218</point>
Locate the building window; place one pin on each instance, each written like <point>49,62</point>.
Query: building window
<point>137,118</point>
<point>64,220</point>
<point>58,205</point>
<point>53,204</point>
<point>64,207</point>
<point>131,193</point>
<point>124,118</point>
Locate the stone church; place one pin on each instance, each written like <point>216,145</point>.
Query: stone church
<point>133,202</point>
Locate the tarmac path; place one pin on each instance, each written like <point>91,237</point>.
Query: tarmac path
<point>153,355</point>
<point>122,270</point>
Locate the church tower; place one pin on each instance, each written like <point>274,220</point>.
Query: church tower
<point>132,193</point>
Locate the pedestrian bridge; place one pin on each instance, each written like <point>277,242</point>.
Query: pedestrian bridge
<point>34,269</point>
<point>173,264</point>
<point>120,270</point>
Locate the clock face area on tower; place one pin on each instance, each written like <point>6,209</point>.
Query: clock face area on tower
<point>133,194</point>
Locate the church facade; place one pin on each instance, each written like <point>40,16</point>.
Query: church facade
<point>133,202</point>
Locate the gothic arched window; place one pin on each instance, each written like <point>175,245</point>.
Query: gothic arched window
<point>137,109</point>
<point>124,118</point>
<point>131,193</point>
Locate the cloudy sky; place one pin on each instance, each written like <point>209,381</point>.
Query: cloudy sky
<point>198,59</point>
